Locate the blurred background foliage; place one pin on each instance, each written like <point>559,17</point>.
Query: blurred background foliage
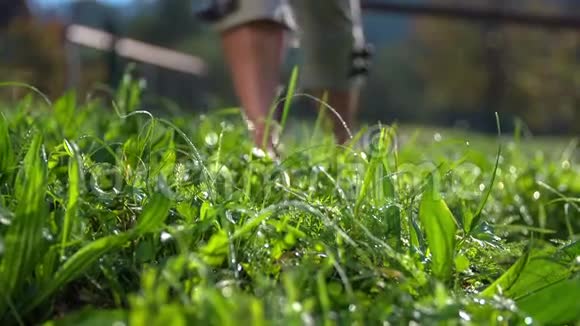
<point>426,70</point>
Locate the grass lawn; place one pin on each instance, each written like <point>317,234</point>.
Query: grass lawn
<point>112,217</point>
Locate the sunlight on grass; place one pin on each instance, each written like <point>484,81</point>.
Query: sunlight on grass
<point>113,214</point>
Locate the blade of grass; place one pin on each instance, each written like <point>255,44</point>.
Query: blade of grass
<point>154,214</point>
<point>76,183</point>
<point>24,236</point>
<point>509,278</point>
<point>289,97</point>
<point>440,228</point>
<point>7,156</point>
<point>556,304</point>
<point>471,225</point>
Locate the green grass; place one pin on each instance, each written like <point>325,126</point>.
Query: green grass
<point>112,214</point>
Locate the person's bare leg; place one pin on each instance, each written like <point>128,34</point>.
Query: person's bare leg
<point>345,103</point>
<point>254,53</point>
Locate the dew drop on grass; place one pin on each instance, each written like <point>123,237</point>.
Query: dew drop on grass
<point>46,235</point>
<point>226,126</point>
<point>536,195</point>
<point>528,320</point>
<point>4,220</point>
<point>318,168</point>
<point>227,292</point>
<point>465,316</point>
<point>165,236</point>
<point>258,152</point>
<point>211,139</point>
<point>481,187</point>
<point>500,318</point>
<point>566,165</point>
<point>437,137</point>
<point>352,308</point>
<point>296,306</point>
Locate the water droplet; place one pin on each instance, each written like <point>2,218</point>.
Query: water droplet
<point>226,126</point>
<point>266,245</point>
<point>577,259</point>
<point>416,315</point>
<point>4,220</point>
<point>467,143</point>
<point>500,185</point>
<point>465,316</point>
<point>318,168</point>
<point>296,306</point>
<point>211,139</point>
<point>258,152</point>
<point>536,195</point>
<point>481,187</point>
<point>500,318</point>
<point>352,308</point>
<point>46,235</point>
<point>566,164</point>
<point>437,137</point>
<point>513,169</point>
<point>528,320</point>
<point>165,236</point>
<point>227,292</point>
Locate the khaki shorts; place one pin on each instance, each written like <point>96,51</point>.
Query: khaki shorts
<point>328,31</point>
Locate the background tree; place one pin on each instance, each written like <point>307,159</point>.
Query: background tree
<point>11,10</point>
<point>30,51</point>
<point>520,72</point>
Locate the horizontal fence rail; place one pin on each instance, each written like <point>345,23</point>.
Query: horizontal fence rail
<point>475,15</point>
<point>136,50</point>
